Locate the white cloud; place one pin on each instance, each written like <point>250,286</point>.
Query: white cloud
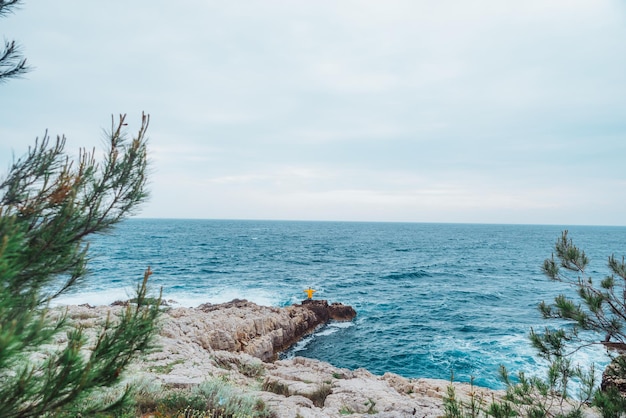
<point>395,110</point>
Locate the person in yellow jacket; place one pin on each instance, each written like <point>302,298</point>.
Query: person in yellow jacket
<point>309,292</point>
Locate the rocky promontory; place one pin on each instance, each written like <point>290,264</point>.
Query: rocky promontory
<point>242,326</point>
<point>239,342</point>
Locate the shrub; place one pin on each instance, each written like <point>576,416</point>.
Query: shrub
<point>601,311</point>
<point>213,398</point>
<point>49,204</point>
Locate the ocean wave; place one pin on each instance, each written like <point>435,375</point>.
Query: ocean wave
<point>436,297</point>
<point>418,274</point>
<point>323,331</point>
<point>95,298</point>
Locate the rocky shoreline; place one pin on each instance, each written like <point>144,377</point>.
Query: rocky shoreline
<point>239,341</point>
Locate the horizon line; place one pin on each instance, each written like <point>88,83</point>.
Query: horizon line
<point>371,221</point>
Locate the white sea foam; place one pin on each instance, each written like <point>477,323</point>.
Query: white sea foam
<point>346,324</point>
<point>260,297</point>
<point>324,331</point>
<point>95,298</point>
<point>299,346</point>
<point>515,352</point>
<point>184,298</point>
<point>332,327</point>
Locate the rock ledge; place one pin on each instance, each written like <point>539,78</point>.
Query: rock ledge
<point>228,341</point>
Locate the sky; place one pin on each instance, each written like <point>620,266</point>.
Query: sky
<point>481,111</point>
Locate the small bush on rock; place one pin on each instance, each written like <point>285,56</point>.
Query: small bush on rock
<point>49,206</point>
<point>318,397</point>
<point>276,387</point>
<point>214,398</point>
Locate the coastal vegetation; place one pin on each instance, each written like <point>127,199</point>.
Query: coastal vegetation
<point>49,206</point>
<point>12,61</point>
<point>214,398</point>
<point>598,318</point>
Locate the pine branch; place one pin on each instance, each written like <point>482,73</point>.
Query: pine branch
<point>48,205</point>
<point>12,62</point>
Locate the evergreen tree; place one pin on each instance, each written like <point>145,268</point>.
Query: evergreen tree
<point>49,204</point>
<point>12,62</point>
<point>601,312</point>
<point>604,307</point>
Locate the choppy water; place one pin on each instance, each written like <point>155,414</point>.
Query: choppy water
<point>431,298</point>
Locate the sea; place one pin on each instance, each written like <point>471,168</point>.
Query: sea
<point>432,300</point>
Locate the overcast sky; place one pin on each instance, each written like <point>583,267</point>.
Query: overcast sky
<point>425,111</point>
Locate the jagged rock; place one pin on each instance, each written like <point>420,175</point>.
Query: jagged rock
<point>614,375</point>
<point>192,343</point>
<point>340,312</point>
<point>244,326</point>
<point>351,392</point>
<point>325,312</point>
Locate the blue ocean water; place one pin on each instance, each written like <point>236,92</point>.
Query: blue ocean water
<point>431,298</point>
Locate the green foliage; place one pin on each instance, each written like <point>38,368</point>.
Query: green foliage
<point>318,397</point>
<point>536,397</point>
<point>610,402</point>
<point>603,308</point>
<point>346,410</point>
<point>49,204</point>
<point>452,406</point>
<point>276,387</point>
<point>12,62</point>
<point>166,368</point>
<point>567,388</point>
<point>214,399</point>
<point>530,397</point>
<point>501,410</point>
<point>371,406</point>
<point>250,368</point>
<point>474,407</point>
